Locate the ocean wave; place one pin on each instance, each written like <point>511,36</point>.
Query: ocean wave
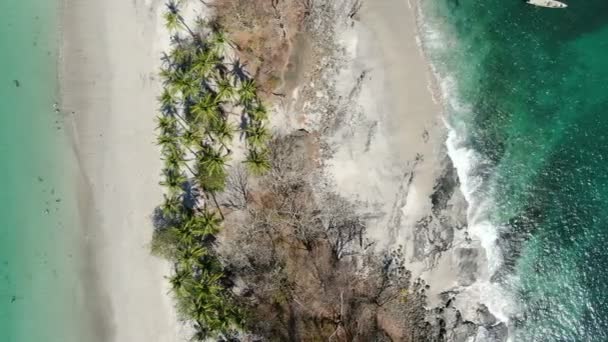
<point>471,167</point>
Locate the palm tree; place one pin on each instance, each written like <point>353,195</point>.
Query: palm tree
<point>211,174</point>
<point>186,84</point>
<point>173,181</point>
<point>258,113</point>
<point>223,131</point>
<point>218,39</point>
<point>205,110</point>
<point>209,224</point>
<point>172,206</point>
<point>257,161</point>
<point>180,56</point>
<point>173,21</point>
<point>257,135</point>
<point>167,142</point>
<point>181,281</point>
<point>212,308</point>
<point>225,90</point>
<point>200,227</point>
<point>190,255</point>
<point>204,313</point>
<point>168,102</point>
<point>212,161</point>
<point>197,84</point>
<point>208,285</point>
<point>191,138</point>
<point>173,156</point>
<point>189,232</point>
<point>166,125</point>
<point>185,236</point>
<point>204,62</point>
<point>174,80</point>
<point>167,75</point>
<point>247,92</point>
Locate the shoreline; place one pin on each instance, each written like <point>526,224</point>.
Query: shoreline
<point>37,269</point>
<point>514,191</point>
<point>394,159</point>
<point>444,89</point>
<point>110,52</point>
<point>478,299</point>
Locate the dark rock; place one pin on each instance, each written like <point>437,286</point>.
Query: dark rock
<point>467,265</point>
<point>463,332</point>
<point>444,187</point>
<point>485,317</point>
<point>452,318</point>
<point>495,333</point>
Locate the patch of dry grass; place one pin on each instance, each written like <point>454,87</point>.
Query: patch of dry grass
<point>264,31</point>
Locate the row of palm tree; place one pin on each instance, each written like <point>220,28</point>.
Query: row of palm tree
<point>201,94</point>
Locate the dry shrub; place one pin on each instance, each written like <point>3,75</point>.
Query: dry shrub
<point>306,271</point>
<point>264,31</point>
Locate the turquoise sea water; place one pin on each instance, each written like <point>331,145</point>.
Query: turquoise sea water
<point>39,292</point>
<point>529,92</point>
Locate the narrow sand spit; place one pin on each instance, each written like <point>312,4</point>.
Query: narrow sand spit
<point>111,50</point>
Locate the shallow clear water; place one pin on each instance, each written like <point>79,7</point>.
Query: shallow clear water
<point>532,91</point>
<point>39,289</point>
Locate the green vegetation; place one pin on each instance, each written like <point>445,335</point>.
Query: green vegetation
<point>304,268</point>
<point>205,102</point>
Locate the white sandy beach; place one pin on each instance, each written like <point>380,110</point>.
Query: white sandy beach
<point>387,140</point>
<point>391,156</point>
<point>110,54</point>
<point>404,123</point>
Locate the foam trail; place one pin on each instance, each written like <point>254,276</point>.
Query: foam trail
<point>465,161</point>
<point>468,162</point>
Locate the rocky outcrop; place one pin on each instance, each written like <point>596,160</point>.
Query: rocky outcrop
<point>449,324</point>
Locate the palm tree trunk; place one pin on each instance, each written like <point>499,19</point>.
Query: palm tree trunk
<point>217,205</point>
<point>228,151</point>
<point>195,153</point>
<point>194,174</point>
<point>181,121</point>
<point>187,27</point>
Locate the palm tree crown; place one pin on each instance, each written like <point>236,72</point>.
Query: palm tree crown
<point>257,161</point>
<point>195,130</point>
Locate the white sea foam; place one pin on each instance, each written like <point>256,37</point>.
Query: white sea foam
<point>465,160</point>
<point>468,162</point>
